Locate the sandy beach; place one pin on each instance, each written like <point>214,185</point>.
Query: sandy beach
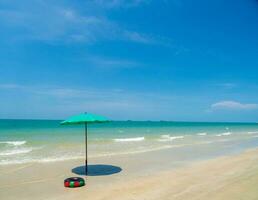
<point>224,177</point>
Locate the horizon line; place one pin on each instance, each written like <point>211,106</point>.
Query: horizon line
<point>116,120</point>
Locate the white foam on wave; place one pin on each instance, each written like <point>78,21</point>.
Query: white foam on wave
<point>253,132</point>
<point>224,134</point>
<point>10,162</point>
<point>14,143</point>
<point>15,151</point>
<point>60,158</point>
<point>201,134</point>
<point>136,139</point>
<point>166,138</point>
<point>40,160</point>
<point>138,151</point>
<point>75,157</point>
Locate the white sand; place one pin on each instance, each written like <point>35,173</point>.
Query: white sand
<point>231,177</point>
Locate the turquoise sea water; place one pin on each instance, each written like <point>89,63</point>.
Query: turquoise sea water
<point>23,141</point>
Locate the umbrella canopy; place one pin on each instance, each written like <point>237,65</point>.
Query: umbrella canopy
<point>85,119</point>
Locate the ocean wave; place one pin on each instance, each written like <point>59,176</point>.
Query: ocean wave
<point>165,138</point>
<point>14,143</point>
<point>224,134</point>
<point>39,160</point>
<point>59,158</point>
<point>201,134</point>
<point>75,157</point>
<point>138,151</point>
<point>15,151</point>
<point>136,139</point>
<point>78,155</point>
<point>252,132</point>
<point>12,162</point>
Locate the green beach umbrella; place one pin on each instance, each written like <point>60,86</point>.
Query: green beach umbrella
<point>85,119</point>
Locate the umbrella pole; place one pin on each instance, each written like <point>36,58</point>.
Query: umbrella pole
<point>86,154</point>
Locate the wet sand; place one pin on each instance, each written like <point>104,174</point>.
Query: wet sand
<point>136,177</point>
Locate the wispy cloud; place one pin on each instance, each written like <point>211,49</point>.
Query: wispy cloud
<point>146,39</point>
<point>233,105</point>
<point>85,93</point>
<point>60,92</point>
<point>137,37</point>
<point>114,4</point>
<point>59,23</point>
<point>68,23</point>
<point>11,86</point>
<point>226,85</point>
<point>120,3</point>
<point>64,101</point>
<point>112,63</point>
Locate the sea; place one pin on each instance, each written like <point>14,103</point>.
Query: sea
<point>43,141</point>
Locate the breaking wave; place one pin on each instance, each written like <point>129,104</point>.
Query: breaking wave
<point>253,132</point>
<point>15,151</point>
<point>14,143</point>
<point>201,134</point>
<point>165,138</point>
<point>136,139</point>
<point>224,134</point>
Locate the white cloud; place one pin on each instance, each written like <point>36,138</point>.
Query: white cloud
<point>90,96</point>
<point>137,37</point>
<point>227,85</point>
<point>120,3</point>
<point>10,86</point>
<point>109,63</point>
<point>59,23</point>
<point>56,22</point>
<point>233,105</point>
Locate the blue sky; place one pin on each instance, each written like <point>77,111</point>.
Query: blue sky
<point>129,59</point>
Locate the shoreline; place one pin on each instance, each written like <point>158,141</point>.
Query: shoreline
<point>47,141</point>
<point>224,177</point>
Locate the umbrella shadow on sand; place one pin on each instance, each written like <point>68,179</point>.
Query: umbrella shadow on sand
<point>97,170</point>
